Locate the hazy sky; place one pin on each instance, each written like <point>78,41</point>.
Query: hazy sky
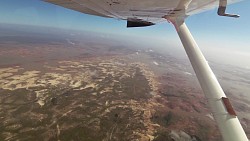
<point>210,30</point>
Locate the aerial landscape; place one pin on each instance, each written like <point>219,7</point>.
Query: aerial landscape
<point>68,85</point>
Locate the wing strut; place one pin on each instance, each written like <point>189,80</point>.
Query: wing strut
<point>228,124</point>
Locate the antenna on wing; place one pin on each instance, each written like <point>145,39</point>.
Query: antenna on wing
<point>222,10</point>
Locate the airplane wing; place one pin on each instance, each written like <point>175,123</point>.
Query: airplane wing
<point>148,12</point>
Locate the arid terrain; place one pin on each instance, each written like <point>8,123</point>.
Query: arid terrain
<point>92,88</point>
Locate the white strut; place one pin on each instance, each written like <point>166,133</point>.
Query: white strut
<point>228,123</point>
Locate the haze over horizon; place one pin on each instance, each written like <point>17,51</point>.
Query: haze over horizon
<point>222,39</point>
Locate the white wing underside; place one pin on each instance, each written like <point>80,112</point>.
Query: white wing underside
<point>146,10</point>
